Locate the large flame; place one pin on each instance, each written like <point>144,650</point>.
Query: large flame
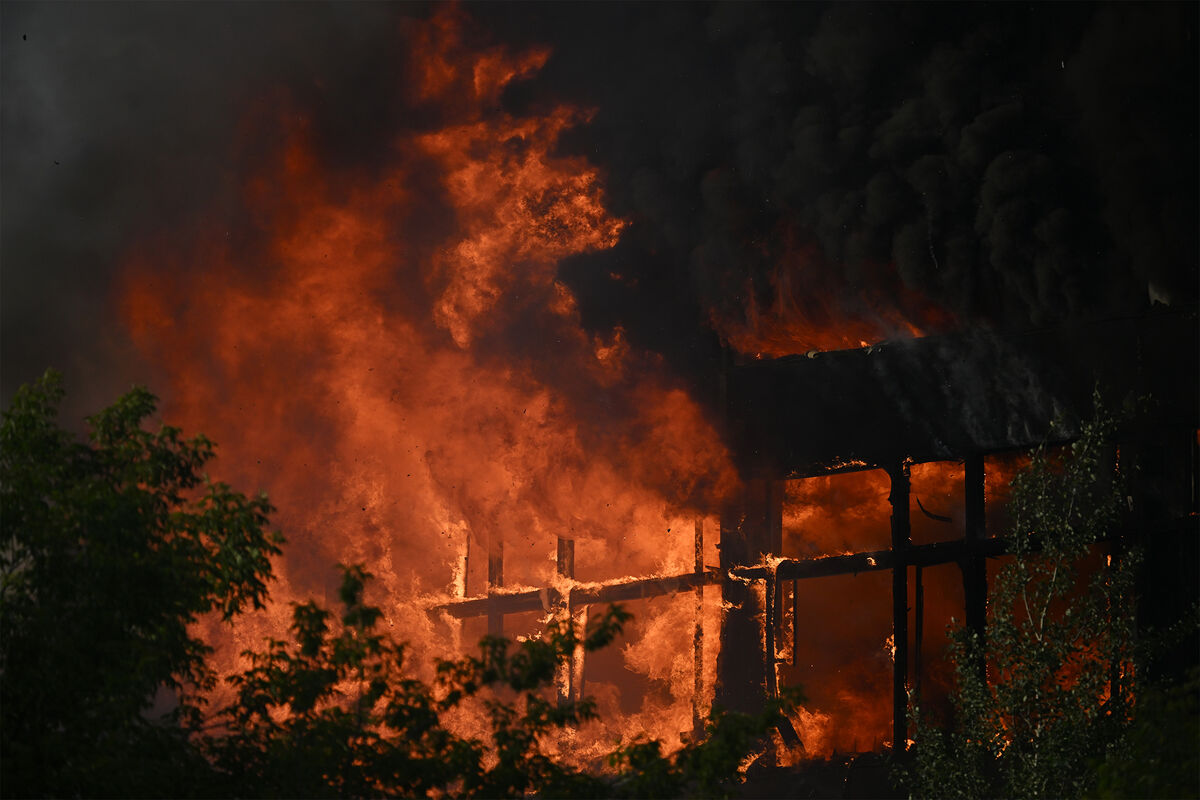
<point>392,357</point>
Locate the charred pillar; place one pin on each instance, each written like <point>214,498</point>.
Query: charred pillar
<point>901,541</point>
<point>495,579</point>
<point>918,631</point>
<point>751,527</point>
<point>561,610</point>
<point>698,637</point>
<point>565,558</point>
<point>974,566</point>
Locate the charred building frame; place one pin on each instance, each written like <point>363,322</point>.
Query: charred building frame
<point>955,398</point>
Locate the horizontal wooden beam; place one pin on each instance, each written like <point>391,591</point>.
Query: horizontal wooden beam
<point>924,555</point>
<point>532,599</point>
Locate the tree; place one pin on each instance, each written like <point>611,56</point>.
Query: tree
<point>110,549</point>
<point>335,714</point>
<point>1058,687</point>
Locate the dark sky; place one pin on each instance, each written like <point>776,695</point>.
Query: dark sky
<point>1014,165</point>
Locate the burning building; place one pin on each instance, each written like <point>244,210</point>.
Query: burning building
<point>721,312</point>
<point>962,400</point>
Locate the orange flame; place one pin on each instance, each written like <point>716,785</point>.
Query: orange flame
<point>809,310</point>
<point>344,345</point>
<point>844,669</point>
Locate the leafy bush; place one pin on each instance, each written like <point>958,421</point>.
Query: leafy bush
<point>111,548</point>
<point>1058,687</point>
<point>333,714</point>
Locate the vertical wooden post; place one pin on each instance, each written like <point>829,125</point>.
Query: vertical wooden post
<point>775,491</point>
<point>561,608</point>
<point>918,630</point>
<point>495,581</point>
<point>460,588</point>
<point>974,566</point>
<point>740,684</point>
<point>565,558</point>
<point>786,731</point>
<point>901,539</point>
<point>579,672</point>
<point>795,622</point>
<point>698,637</point>
<point>772,600</point>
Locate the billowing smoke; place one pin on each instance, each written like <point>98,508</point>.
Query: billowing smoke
<point>935,165</point>
<point>119,121</point>
<point>1017,164</point>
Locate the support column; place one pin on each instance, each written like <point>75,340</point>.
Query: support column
<point>918,630</point>
<point>974,566</point>
<point>901,540</point>
<point>750,528</point>
<point>795,622</point>
<point>565,557</point>
<point>561,609</point>
<point>772,602</point>
<point>698,637</point>
<point>495,580</point>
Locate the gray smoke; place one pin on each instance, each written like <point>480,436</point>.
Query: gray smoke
<point>1014,165</point>
<point>119,121</point>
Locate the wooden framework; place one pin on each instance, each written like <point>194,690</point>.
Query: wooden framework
<point>969,552</point>
<point>937,399</point>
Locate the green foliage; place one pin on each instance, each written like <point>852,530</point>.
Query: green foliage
<point>707,768</point>
<point>1059,645</point>
<point>1159,756</point>
<point>109,549</point>
<point>112,547</point>
<point>333,714</point>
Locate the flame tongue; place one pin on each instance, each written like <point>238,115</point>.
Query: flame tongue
<point>808,310</point>
<point>408,390</point>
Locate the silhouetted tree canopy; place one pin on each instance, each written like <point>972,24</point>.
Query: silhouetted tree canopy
<point>1052,701</point>
<point>112,547</point>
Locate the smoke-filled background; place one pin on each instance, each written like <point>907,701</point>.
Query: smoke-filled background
<point>1018,164</point>
<point>433,274</point>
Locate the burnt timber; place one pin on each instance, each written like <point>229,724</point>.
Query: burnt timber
<point>951,398</point>
<point>517,602</point>
<point>948,398</point>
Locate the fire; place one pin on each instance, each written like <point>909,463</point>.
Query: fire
<point>394,360</point>
<point>841,665</point>
<point>810,311</point>
<point>392,356</point>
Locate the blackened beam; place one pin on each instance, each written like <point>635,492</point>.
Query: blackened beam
<point>495,580</point>
<point>974,567</point>
<point>925,555</point>
<point>901,542</point>
<point>698,635</point>
<point>565,567</point>
<point>788,569</point>
<point>532,599</point>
